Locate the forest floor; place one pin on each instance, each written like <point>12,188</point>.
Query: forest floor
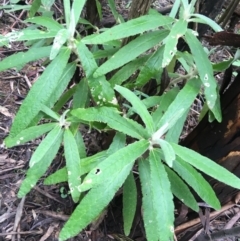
<point>42,213</point>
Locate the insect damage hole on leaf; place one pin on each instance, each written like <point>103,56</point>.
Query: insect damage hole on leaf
<point>98,171</point>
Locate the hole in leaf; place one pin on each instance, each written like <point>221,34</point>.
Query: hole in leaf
<point>97,171</point>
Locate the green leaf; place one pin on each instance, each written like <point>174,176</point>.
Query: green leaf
<point>174,133</point>
<point>136,47</point>
<point>205,71</point>
<point>46,145</point>
<point>166,99</point>
<point>50,112</point>
<point>181,190</point>
<point>196,181</point>
<point>77,7</point>
<point>162,198</point>
<point>119,141</point>
<point>127,71</point>
<point>100,88</point>
<point>42,90</point>
<point>35,5</point>
<point>27,34</point>
<point>138,107</point>
<point>64,98</point>
<point>168,152</point>
<point>114,164</point>
<point>116,15</point>
<point>130,28</point>
<point>35,172</point>
<point>111,116</point>
<point>23,58</point>
<point>62,83</point>
<point>221,66</point>
<point>149,214</point>
<point>59,40</point>
<point>29,134</point>
<point>81,96</point>
<point>152,101</point>
<point>206,165</point>
<point>151,67</point>
<point>98,197</point>
<point>47,22</point>
<point>72,164</point>
<point>175,8</point>
<point>129,203</point>
<point>67,12</point>
<point>170,47</point>
<point>99,54</point>
<point>207,21</point>
<point>87,164</point>
<point>178,107</point>
<point>80,145</point>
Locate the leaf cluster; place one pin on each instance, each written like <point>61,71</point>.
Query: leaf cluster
<point>147,128</point>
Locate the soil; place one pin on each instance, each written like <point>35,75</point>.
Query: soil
<point>42,213</point>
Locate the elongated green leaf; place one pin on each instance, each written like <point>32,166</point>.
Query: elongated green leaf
<point>168,152</point>
<point>205,71</point>
<point>99,54</point>
<point>47,22</point>
<point>77,7</point>
<point>175,8</point>
<point>152,101</point>
<point>119,141</point>
<point>178,107</point>
<point>81,96</point>
<point>40,93</point>
<point>26,34</point>
<point>87,59</point>
<point>72,164</point>
<point>138,107</point>
<point>166,99</point>
<point>114,164</point>
<point>111,116</point>
<point>151,67</point>
<point>46,145</point>
<point>130,28</point>
<point>59,40</point>
<point>80,145</point>
<point>149,214</point>
<point>129,203</point>
<point>87,164</point>
<point>67,12</point>
<point>64,98</point>
<point>114,11</point>
<point>170,49</point>
<point>23,58</point>
<point>98,197</point>
<point>206,165</point>
<point>197,182</point>
<point>61,84</point>
<point>35,172</point>
<point>135,47</point>
<point>47,4</point>
<point>29,134</point>
<point>208,21</point>
<point>162,198</point>
<point>126,71</point>
<point>174,133</point>
<point>50,112</point>
<point>100,88</point>
<point>35,5</point>
<point>181,190</point>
